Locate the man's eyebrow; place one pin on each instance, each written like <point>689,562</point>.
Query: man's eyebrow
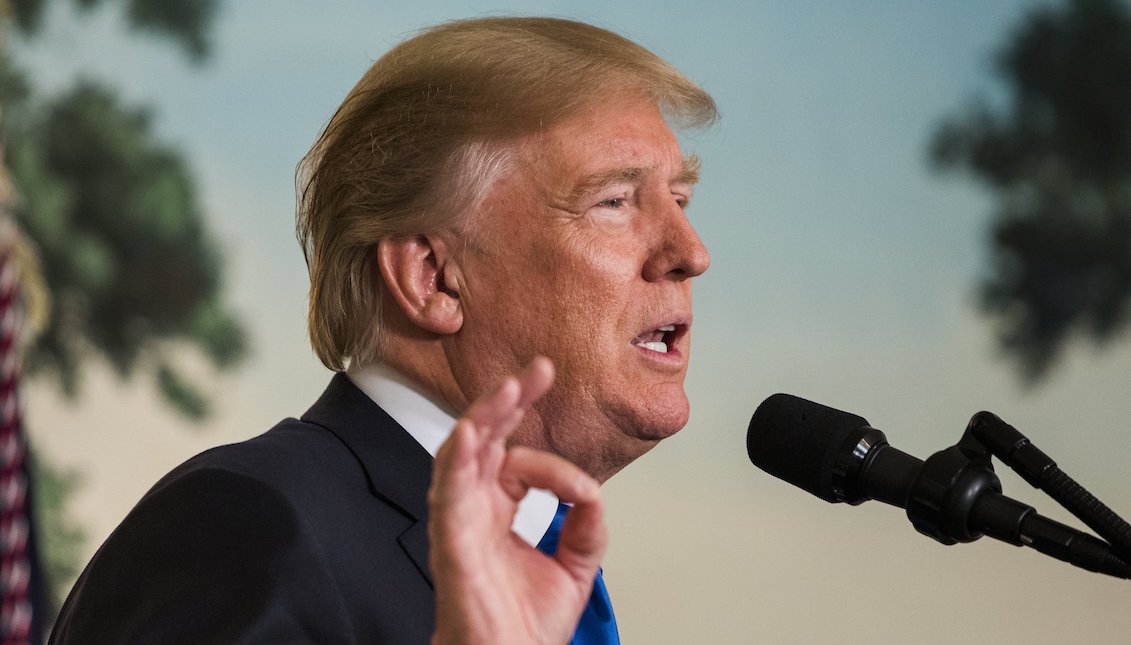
<point>689,171</point>
<point>688,174</point>
<point>595,182</point>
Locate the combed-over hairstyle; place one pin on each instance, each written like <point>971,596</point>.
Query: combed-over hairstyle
<point>418,141</point>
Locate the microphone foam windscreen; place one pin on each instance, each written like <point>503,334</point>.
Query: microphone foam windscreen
<point>798,441</point>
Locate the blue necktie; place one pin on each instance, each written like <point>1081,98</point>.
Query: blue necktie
<point>597,626</point>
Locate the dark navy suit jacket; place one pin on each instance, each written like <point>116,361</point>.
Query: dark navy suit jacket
<point>314,532</point>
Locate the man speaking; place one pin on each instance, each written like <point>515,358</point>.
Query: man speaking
<point>494,225</point>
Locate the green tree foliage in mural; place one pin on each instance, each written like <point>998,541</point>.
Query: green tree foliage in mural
<point>134,277</point>
<point>1057,155</point>
<point>184,21</point>
<point>132,272</point>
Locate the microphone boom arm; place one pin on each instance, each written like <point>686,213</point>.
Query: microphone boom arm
<point>957,497</point>
<point>1016,451</point>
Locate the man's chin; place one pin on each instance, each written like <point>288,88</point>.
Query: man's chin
<point>656,434</point>
<point>665,416</point>
<point>657,424</point>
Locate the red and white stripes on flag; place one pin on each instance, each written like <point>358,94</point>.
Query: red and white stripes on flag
<point>16,554</point>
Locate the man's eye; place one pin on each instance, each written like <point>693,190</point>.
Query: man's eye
<point>615,202</point>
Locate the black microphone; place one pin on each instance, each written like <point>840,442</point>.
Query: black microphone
<point>952,497</point>
<point>831,454</point>
<point>827,452</point>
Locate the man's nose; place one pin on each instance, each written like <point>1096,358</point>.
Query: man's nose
<point>680,254</point>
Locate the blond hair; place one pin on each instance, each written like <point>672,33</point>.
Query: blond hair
<point>419,140</point>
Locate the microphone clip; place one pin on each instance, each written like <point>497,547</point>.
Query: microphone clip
<point>944,496</point>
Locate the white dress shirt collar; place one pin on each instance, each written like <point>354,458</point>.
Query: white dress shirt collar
<point>430,423</point>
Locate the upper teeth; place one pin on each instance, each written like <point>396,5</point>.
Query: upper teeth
<point>667,328</point>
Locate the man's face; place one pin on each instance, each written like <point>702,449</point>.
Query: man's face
<point>582,252</point>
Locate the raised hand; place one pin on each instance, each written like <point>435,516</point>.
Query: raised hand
<point>491,586</point>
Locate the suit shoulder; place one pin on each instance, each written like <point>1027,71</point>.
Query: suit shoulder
<point>261,540</point>
<point>198,561</point>
<point>292,455</point>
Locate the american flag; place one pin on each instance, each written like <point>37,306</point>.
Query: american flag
<point>22,610</point>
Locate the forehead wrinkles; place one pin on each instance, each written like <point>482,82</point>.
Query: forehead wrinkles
<point>573,163</point>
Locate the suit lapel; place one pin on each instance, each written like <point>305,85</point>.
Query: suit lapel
<point>399,470</point>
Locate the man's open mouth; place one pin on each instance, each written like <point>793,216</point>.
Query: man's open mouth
<point>657,340</point>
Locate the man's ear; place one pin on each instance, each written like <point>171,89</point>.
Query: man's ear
<point>423,279</point>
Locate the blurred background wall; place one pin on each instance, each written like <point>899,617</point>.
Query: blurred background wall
<point>915,211</point>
